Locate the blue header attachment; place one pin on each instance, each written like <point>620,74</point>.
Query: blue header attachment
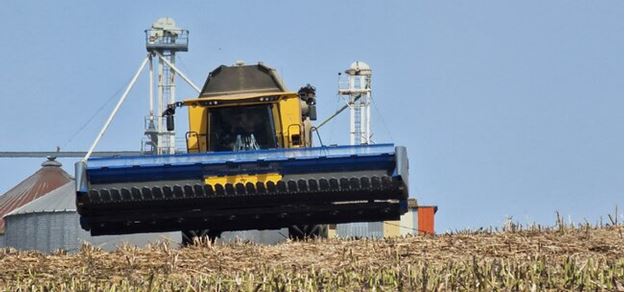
<point>284,161</point>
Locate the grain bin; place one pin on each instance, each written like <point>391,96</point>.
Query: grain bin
<point>49,177</point>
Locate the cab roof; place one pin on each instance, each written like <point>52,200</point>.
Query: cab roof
<point>241,80</point>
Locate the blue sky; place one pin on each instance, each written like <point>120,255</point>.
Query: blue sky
<point>507,108</point>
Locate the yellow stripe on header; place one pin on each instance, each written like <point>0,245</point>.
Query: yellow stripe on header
<point>243,178</point>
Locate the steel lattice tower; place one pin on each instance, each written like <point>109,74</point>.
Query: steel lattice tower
<point>165,38</point>
<point>358,93</point>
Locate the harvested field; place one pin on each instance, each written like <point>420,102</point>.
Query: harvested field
<point>581,258</point>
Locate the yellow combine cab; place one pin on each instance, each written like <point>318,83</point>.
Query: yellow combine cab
<point>250,165</point>
<point>274,119</point>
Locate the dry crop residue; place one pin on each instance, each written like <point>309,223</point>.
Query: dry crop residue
<point>570,258</point>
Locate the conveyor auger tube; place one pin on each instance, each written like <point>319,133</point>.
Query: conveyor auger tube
<point>227,191</point>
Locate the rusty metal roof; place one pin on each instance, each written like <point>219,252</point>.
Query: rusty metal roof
<point>49,177</point>
<point>61,199</point>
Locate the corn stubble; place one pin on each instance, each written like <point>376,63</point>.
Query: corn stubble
<point>534,259</point>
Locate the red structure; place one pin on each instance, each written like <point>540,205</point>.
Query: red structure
<point>426,219</point>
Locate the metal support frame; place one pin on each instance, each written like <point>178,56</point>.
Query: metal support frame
<point>151,88</point>
<point>161,107</point>
<point>184,77</point>
<point>147,59</point>
<point>117,106</point>
<point>358,100</point>
<point>37,154</point>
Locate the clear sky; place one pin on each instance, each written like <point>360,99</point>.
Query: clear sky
<point>508,108</point>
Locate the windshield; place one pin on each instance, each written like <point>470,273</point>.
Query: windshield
<point>242,128</point>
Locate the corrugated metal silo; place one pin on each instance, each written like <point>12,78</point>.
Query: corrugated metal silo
<point>406,225</point>
<point>45,224</point>
<point>49,177</point>
<point>51,223</point>
<point>364,229</point>
<point>257,236</point>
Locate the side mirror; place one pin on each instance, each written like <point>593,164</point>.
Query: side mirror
<point>308,95</point>
<point>312,112</point>
<point>169,116</point>
<point>170,122</point>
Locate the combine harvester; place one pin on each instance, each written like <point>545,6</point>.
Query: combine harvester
<point>249,164</point>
